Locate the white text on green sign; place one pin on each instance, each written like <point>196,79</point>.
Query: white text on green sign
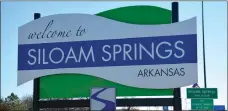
<point>202,93</point>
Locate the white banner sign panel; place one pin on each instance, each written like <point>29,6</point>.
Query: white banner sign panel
<point>143,56</point>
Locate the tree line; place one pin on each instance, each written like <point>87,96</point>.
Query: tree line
<point>14,103</point>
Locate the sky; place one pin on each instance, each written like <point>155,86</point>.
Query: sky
<point>15,14</point>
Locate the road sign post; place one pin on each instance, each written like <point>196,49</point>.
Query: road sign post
<point>36,83</point>
<point>177,91</point>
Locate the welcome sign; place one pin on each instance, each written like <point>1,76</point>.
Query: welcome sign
<point>144,56</point>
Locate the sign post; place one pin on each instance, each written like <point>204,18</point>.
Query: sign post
<point>36,83</point>
<point>177,91</point>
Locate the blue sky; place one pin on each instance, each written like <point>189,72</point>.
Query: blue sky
<point>15,14</point>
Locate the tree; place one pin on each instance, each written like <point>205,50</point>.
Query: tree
<point>3,105</point>
<point>27,102</point>
<point>11,97</point>
<point>1,100</point>
<point>13,102</point>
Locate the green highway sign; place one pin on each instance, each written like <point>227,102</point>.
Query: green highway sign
<point>202,104</point>
<point>202,93</point>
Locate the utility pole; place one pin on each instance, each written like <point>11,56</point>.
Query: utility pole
<point>204,58</point>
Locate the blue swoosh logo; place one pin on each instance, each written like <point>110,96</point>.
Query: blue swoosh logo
<point>109,105</point>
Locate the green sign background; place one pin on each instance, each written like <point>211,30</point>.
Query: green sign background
<point>79,85</point>
<point>202,104</point>
<point>202,93</point>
